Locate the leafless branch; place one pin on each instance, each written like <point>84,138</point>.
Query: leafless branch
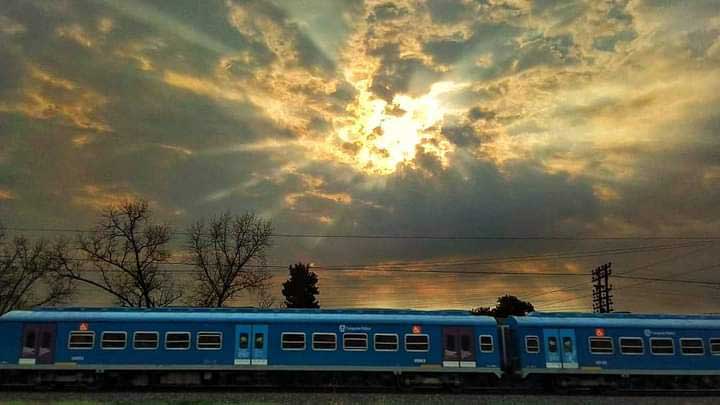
<point>127,252</point>
<point>226,251</point>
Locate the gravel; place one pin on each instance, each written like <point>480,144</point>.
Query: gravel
<point>235,397</point>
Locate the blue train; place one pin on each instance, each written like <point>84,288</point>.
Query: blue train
<point>356,348</point>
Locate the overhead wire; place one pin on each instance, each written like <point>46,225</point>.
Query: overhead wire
<point>423,237</point>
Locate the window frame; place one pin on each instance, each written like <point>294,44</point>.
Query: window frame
<point>427,336</point>
<point>710,346</point>
<point>642,345</point>
<point>685,339</point>
<point>492,344</point>
<point>356,349</point>
<point>102,340</point>
<point>208,333</point>
<point>334,349</point>
<point>282,342</point>
<point>157,339</point>
<point>537,340</point>
<point>652,339</point>
<point>81,332</point>
<point>397,342</point>
<point>602,339</point>
<point>189,345</point>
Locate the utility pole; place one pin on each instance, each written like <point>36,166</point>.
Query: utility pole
<point>602,299</point>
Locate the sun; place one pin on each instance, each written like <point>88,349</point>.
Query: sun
<point>378,136</point>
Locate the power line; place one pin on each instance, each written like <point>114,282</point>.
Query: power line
<point>419,268</point>
<point>632,270</point>
<point>667,280</point>
<point>700,269</point>
<point>423,237</point>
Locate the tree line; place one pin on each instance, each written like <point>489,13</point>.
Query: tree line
<point>127,255</point>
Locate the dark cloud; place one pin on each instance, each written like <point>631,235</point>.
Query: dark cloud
<point>387,11</point>
<point>548,51</point>
<point>462,136</point>
<point>12,71</point>
<point>608,43</point>
<point>447,11</point>
<point>400,75</point>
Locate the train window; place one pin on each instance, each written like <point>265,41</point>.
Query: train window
<point>386,342</point>
<point>244,341</point>
<point>81,340</point>
<point>532,344</point>
<point>177,340</point>
<point>29,342</point>
<point>209,340</point>
<point>324,341</point>
<point>465,344</point>
<point>552,344</point>
<point>113,340</point>
<point>259,341</point>
<point>601,345</point>
<point>692,347</point>
<point>662,346</point>
<point>715,346</point>
<point>145,340</point>
<point>417,343</point>
<point>632,345</point>
<point>355,341</point>
<point>45,341</point>
<point>486,343</point>
<point>292,341</point>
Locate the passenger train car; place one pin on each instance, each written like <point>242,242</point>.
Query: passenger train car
<point>246,346</point>
<point>356,348</point>
<point>617,350</point>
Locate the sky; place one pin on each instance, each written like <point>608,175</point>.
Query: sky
<point>338,117</point>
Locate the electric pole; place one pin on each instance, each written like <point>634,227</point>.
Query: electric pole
<point>602,299</point>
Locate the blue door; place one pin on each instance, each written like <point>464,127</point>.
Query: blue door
<point>243,334</point>
<point>553,357</point>
<point>568,348</point>
<point>259,345</point>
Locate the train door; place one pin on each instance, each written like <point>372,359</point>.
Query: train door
<point>242,344</point>
<point>553,358</point>
<point>251,342</point>
<point>568,348</point>
<point>467,347</point>
<point>259,345</point>
<point>38,344</point>
<point>451,351</point>
<point>458,347</point>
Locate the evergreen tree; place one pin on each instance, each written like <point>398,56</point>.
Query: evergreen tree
<point>301,287</point>
<point>506,305</point>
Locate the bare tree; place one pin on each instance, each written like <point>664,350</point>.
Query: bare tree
<point>27,275</point>
<point>228,252</point>
<point>264,297</point>
<point>126,253</point>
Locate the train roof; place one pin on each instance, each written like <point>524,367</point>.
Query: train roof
<point>252,315</point>
<point>543,319</point>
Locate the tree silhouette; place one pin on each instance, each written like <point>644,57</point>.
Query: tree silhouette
<point>124,257</point>
<point>28,275</point>
<point>228,252</point>
<point>506,305</point>
<point>301,287</point>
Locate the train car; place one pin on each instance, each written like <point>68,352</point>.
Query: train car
<point>247,347</point>
<point>616,350</point>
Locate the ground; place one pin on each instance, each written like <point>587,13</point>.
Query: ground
<point>203,398</point>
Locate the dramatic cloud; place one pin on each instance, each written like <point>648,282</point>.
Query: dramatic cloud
<point>438,117</point>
